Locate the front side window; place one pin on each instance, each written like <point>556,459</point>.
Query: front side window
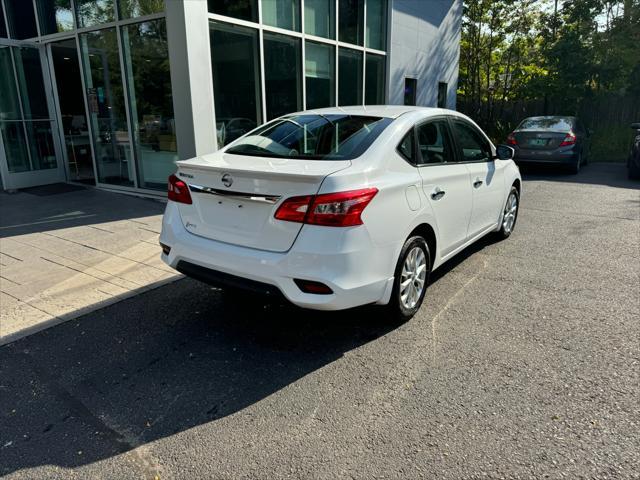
<point>312,137</point>
<point>433,143</point>
<point>474,147</point>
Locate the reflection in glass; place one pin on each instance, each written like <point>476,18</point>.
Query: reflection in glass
<point>147,65</point>
<point>377,24</point>
<point>43,155</point>
<point>105,96</point>
<point>243,9</point>
<point>236,80</point>
<point>9,106</point>
<point>54,16</point>
<point>281,13</point>
<point>72,110</point>
<point>31,83</point>
<point>282,74</point>
<point>350,83</point>
<point>94,12</point>
<point>351,18</point>
<point>320,75</point>
<point>137,8</point>
<point>3,26</point>
<point>319,18</point>
<point>15,146</point>
<point>21,19</point>
<point>374,80</point>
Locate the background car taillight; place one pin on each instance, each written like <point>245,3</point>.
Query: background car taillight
<point>511,139</point>
<point>570,139</point>
<point>178,191</point>
<point>342,209</point>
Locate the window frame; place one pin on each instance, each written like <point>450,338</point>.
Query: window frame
<point>416,152</point>
<point>458,149</point>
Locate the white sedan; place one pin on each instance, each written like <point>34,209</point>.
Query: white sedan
<point>340,207</point>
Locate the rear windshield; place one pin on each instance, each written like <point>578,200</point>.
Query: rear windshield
<point>555,124</point>
<point>313,137</point>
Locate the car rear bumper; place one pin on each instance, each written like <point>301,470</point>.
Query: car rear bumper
<point>542,157</point>
<point>344,259</point>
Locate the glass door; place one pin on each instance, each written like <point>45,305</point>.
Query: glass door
<point>74,131</point>
<point>29,153</point>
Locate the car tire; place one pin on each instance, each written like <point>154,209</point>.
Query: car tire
<point>633,171</point>
<point>509,222</point>
<point>414,267</point>
<point>574,168</point>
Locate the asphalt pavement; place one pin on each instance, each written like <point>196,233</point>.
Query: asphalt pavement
<point>524,362</point>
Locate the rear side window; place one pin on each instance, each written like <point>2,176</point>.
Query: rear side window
<point>313,137</point>
<point>433,143</point>
<point>554,124</point>
<point>474,147</point>
<point>406,147</point>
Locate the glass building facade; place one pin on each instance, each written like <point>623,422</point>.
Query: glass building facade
<point>93,91</point>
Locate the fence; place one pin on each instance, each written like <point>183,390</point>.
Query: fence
<point>609,116</point>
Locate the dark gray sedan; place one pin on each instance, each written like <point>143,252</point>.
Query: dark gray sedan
<point>551,140</point>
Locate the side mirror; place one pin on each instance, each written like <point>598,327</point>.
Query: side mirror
<point>505,152</point>
<point>635,126</point>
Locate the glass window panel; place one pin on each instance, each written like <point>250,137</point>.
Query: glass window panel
<point>374,81</point>
<point>21,19</point>
<point>9,106</point>
<point>94,12</point>
<point>320,18</point>
<point>281,13</point>
<point>351,17</point>
<point>377,24</point>
<point>146,58</point>
<point>15,146</point>
<point>43,154</point>
<point>31,83</point>
<point>3,25</point>
<point>320,75</point>
<point>433,143</point>
<point>442,95</point>
<point>137,8</point>
<point>236,80</point>
<point>243,9</point>
<point>282,74</point>
<point>54,16</point>
<point>410,91</point>
<point>105,96</point>
<point>350,77</point>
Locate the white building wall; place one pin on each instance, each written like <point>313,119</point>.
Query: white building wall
<point>425,45</point>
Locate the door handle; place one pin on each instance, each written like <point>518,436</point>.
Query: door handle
<point>438,194</point>
<point>477,183</point>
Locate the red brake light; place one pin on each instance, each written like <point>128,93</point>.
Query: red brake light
<point>570,139</point>
<point>511,139</point>
<point>342,209</point>
<point>178,191</point>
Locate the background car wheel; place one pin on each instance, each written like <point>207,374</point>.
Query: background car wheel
<point>510,214</point>
<point>411,279</point>
<point>574,168</point>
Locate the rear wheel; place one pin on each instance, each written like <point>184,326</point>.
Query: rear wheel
<point>574,168</point>
<point>411,279</point>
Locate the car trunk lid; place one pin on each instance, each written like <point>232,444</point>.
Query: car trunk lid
<point>235,197</point>
<point>539,140</point>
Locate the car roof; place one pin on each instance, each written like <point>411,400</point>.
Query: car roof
<point>388,111</point>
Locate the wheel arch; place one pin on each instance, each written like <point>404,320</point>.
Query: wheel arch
<point>427,232</point>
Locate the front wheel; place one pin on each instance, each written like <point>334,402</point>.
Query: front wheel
<point>510,214</point>
<point>411,279</point>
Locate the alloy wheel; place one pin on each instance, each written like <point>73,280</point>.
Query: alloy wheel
<point>510,212</point>
<point>413,277</point>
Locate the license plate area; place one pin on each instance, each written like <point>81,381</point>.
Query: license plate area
<point>538,142</point>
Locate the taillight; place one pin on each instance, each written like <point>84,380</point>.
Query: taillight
<point>342,209</point>
<point>570,139</point>
<point>178,191</point>
<point>511,139</point>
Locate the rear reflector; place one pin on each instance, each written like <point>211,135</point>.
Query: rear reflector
<point>570,139</point>
<point>165,248</point>
<point>309,286</point>
<point>341,209</point>
<point>178,191</point>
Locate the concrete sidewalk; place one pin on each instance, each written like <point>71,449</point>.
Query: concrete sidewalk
<point>66,251</point>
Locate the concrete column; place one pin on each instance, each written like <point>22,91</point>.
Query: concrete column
<point>191,77</point>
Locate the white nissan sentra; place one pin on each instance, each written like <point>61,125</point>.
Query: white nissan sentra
<point>340,207</point>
